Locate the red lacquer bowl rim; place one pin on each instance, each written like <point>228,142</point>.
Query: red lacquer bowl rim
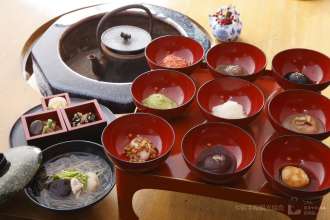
<point>148,161</point>
<point>219,123</point>
<point>164,71</point>
<point>174,36</point>
<point>274,120</point>
<point>310,85</point>
<point>237,79</point>
<point>236,43</point>
<point>296,190</point>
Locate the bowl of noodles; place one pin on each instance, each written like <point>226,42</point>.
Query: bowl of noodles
<point>73,175</point>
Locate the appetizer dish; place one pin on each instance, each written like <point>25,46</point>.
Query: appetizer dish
<point>173,61</point>
<point>140,149</point>
<point>80,118</point>
<point>138,142</point>
<point>226,24</point>
<point>217,159</point>
<point>304,123</point>
<point>38,127</point>
<point>218,152</point>
<point>71,180</point>
<point>237,59</point>
<point>163,92</point>
<point>300,112</point>
<point>57,102</point>
<point>232,70</point>
<point>159,101</point>
<point>299,68</point>
<point>174,52</point>
<point>229,110</point>
<point>295,177</point>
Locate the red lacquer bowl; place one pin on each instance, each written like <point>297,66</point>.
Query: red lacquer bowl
<point>299,101</point>
<point>250,57</point>
<point>233,138</point>
<point>218,91</point>
<point>305,152</point>
<point>175,85</point>
<point>181,46</point>
<point>122,130</point>
<point>313,64</point>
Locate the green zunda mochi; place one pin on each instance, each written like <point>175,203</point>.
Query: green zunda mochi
<point>159,101</point>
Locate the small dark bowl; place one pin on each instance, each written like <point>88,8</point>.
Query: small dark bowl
<point>300,151</point>
<point>175,85</point>
<point>313,64</point>
<point>250,57</point>
<point>299,101</point>
<point>44,139</point>
<point>182,46</point>
<point>45,100</point>
<point>75,146</point>
<point>233,138</point>
<point>122,130</point>
<point>218,91</point>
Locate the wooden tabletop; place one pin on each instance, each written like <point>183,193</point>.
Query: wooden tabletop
<point>272,25</point>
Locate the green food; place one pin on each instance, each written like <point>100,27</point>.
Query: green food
<point>69,174</point>
<point>49,126</point>
<point>159,101</point>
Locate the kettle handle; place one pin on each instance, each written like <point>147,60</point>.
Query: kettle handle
<point>100,27</point>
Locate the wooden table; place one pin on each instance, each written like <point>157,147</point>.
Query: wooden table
<point>271,25</point>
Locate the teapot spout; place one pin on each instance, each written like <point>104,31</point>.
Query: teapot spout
<point>98,67</point>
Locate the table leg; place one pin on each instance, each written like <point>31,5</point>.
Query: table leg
<point>125,193</point>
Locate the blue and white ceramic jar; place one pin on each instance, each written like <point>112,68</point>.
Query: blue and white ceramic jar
<point>226,24</point>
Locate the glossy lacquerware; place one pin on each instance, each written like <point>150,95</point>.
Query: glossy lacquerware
<point>17,137</point>
<point>89,130</point>
<point>299,101</point>
<point>45,100</point>
<point>220,90</point>
<point>301,151</point>
<point>185,47</point>
<point>248,56</point>
<point>231,137</point>
<point>175,85</point>
<point>76,147</point>
<point>44,139</point>
<point>313,64</point>
<point>121,131</point>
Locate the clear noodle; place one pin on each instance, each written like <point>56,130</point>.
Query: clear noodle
<point>83,162</point>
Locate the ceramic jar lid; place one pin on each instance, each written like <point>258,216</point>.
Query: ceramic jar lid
<point>17,167</point>
<point>126,39</point>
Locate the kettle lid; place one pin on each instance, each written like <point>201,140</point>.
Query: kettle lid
<point>126,39</point>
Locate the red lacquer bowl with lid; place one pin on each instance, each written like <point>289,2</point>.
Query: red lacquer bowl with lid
<point>122,130</point>
<point>231,137</point>
<point>175,85</point>
<point>220,90</point>
<point>180,46</point>
<point>313,64</point>
<point>299,101</point>
<point>304,152</point>
<point>248,56</point>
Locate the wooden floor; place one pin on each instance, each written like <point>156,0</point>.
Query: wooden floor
<point>272,25</point>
